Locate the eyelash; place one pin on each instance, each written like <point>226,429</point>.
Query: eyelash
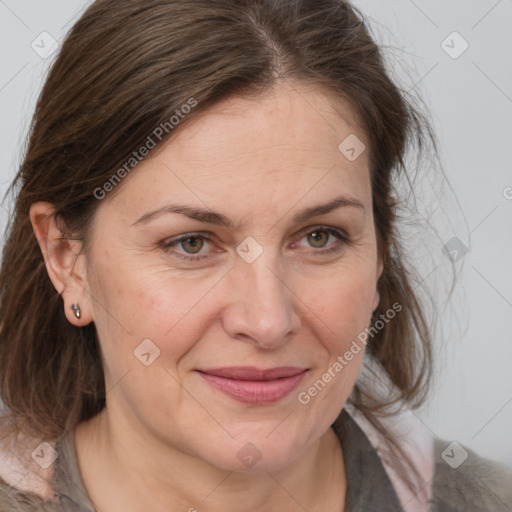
<point>337,247</point>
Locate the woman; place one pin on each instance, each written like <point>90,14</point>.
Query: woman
<point>204,302</point>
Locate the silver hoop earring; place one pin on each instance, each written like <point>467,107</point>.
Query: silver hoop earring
<point>76,309</point>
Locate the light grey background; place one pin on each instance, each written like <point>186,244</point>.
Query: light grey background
<point>470,100</point>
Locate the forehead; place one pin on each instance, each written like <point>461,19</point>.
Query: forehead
<point>285,143</point>
<point>294,114</point>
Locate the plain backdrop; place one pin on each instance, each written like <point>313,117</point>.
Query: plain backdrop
<point>456,55</point>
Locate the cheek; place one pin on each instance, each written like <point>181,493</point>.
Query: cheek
<point>338,315</point>
<point>342,307</point>
<point>136,304</point>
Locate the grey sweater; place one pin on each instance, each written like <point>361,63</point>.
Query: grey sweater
<point>478,485</point>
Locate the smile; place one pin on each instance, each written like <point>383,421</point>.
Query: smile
<point>252,385</point>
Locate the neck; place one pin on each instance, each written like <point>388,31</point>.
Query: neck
<point>137,471</point>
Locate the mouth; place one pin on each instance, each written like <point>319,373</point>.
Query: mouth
<point>254,385</point>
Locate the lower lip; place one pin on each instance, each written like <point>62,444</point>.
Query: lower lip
<point>255,392</point>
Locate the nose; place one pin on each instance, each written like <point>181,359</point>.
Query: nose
<point>262,307</point>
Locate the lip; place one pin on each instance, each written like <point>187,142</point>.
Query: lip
<point>254,385</point>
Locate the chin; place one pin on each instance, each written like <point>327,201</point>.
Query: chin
<point>254,456</point>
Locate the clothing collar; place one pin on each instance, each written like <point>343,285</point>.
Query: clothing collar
<point>369,488</point>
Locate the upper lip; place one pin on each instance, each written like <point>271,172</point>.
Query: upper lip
<point>254,374</point>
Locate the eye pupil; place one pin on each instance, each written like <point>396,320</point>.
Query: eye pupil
<point>316,236</point>
<point>196,244</point>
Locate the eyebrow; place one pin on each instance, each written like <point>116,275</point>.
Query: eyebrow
<point>210,217</point>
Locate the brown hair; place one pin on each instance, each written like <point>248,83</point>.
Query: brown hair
<point>125,68</point>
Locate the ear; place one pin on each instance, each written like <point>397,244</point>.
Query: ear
<point>65,265</point>
<point>376,298</point>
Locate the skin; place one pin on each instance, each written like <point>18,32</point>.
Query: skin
<point>167,439</point>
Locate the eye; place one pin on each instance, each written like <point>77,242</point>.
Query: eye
<point>191,243</point>
<point>190,246</point>
<point>319,236</point>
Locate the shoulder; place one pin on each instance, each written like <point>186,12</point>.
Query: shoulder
<point>415,441</point>
<point>455,477</point>
<point>13,499</point>
<point>467,481</point>
<point>24,483</point>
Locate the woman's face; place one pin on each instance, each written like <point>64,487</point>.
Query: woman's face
<point>178,300</point>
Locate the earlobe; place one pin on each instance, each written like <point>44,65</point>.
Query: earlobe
<point>64,263</point>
